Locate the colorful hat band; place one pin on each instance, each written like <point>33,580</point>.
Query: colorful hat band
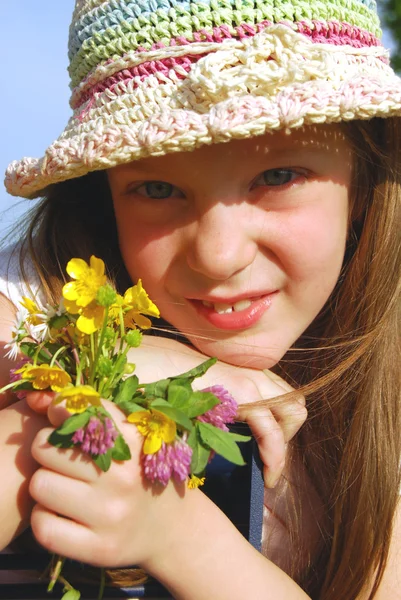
<point>160,76</point>
<point>338,34</point>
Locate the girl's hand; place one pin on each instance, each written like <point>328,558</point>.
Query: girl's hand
<point>115,519</point>
<point>106,519</point>
<point>272,427</point>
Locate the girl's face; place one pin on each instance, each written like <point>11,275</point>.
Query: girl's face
<point>239,244</point>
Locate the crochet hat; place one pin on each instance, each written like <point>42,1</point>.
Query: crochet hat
<point>149,77</point>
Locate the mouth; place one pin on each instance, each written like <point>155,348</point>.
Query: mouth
<point>234,314</point>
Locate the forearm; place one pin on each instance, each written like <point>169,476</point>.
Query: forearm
<point>18,427</point>
<point>206,557</point>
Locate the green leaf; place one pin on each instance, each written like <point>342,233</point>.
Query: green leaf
<point>58,321</point>
<point>126,390</point>
<point>60,441</point>
<point>197,371</point>
<point>237,437</point>
<point>179,392</point>
<point>71,595</point>
<point>200,453</point>
<point>121,449</point>
<point>201,402</point>
<point>130,407</point>
<point>221,442</point>
<point>103,461</point>
<point>73,423</point>
<point>173,413</point>
<point>158,389</point>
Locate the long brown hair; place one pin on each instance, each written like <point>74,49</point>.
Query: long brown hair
<point>347,362</point>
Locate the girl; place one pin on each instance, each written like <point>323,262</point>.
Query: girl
<point>277,249</point>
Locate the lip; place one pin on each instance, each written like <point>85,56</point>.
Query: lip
<point>232,299</point>
<point>235,321</point>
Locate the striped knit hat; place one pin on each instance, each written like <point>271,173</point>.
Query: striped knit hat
<point>149,77</point>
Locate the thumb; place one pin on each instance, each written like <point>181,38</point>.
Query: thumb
<point>57,414</point>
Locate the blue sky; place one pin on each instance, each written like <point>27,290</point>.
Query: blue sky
<point>34,100</point>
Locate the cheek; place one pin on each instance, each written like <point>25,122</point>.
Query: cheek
<point>145,254</point>
<point>313,245</point>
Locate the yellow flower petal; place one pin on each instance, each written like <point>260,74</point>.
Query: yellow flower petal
<point>133,319</point>
<point>70,292</point>
<point>91,319</point>
<point>155,426</point>
<point>45,376</point>
<point>140,301</point>
<point>195,482</point>
<point>71,306</point>
<point>33,310</point>
<point>78,398</point>
<point>152,443</point>
<point>30,305</point>
<point>97,265</point>
<point>77,268</point>
<point>138,416</point>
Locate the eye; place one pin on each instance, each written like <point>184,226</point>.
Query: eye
<point>157,190</point>
<point>276,177</point>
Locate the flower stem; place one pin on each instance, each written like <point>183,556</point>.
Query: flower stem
<point>67,586</point>
<point>99,347</point>
<point>102,584</point>
<point>59,351</point>
<point>10,386</point>
<point>122,329</point>
<point>55,572</point>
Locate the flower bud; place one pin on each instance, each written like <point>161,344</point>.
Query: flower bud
<point>129,368</point>
<point>133,338</point>
<point>104,366</point>
<point>106,295</point>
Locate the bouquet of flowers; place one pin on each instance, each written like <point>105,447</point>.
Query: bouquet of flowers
<point>80,349</point>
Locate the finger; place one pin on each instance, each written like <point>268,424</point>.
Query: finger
<point>284,385</point>
<point>69,462</point>
<point>63,495</point>
<point>57,414</point>
<point>270,439</point>
<point>290,415</point>
<point>39,401</point>
<point>68,538</point>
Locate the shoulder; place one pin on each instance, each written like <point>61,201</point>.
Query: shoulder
<point>13,283</point>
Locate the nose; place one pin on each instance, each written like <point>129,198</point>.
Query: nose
<point>221,242</point>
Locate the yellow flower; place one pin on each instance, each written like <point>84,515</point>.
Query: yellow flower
<point>78,398</point>
<point>195,482</point>
<point>45,376</point>
<point>89,278</point>
<point>155,427</point>
<point>90,317</point>
<point>139,304</point>
<point>33,311</point>
<point>114,309</point>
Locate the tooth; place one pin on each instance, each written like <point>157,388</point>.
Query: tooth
<point>242,305</point>
<point>206,303</point>
<point>223,309</point>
